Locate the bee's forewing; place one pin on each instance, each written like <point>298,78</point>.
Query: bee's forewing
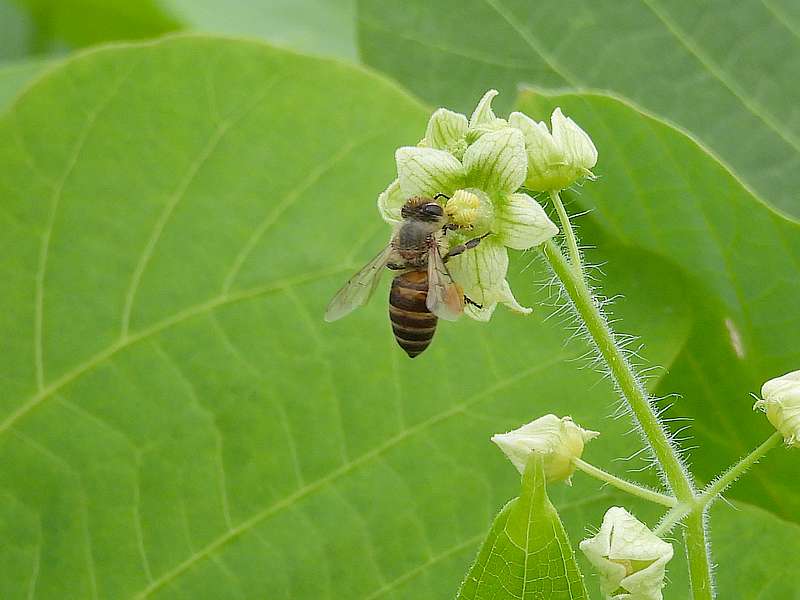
<point>358,288</point>
<point>445,297</point>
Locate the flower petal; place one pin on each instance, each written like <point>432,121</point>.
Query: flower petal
<point>390,202</point>
<point>573,141</point>
<point>427,172</point>
<point>446,129</point>
<point>497,161</point>
<point>521,222</point>
<point>506,297</point>
<point>483,113</point>
<point>481,272</point>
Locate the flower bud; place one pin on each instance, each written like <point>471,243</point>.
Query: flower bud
<point>557,160</point>
<point>558,440</point>
<point>630,559</point>
<point>781,402</point>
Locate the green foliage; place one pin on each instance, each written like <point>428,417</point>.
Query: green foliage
<point>527,553</point>
<point>85,22</point>
<point>323,27</point>
<point>724,72</point>
<point>229,439</point>
<point>15,31</point>
<point>177,421</point>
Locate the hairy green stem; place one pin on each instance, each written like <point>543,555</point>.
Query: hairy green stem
<point>623,374</point>
<point>569,234</point>
<point>716,487</point>
<point>624,485</point>
<point>574,282</point>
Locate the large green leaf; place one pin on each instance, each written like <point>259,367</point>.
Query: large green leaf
<point>724,71</point>
<point>323,27</point>
<point>527,553</point>
<point>176,420</point>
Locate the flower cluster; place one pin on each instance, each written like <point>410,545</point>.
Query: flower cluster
<point>479,165</point>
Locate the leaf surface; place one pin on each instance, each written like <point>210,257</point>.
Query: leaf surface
<point>321,27</point>
<point>527,553</point>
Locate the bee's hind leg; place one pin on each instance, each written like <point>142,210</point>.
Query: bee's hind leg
<point>469,300</point>
<point>461,248</point>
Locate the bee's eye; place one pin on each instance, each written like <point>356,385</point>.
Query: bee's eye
<point>433,210</point>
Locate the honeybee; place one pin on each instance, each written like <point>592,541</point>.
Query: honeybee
<point>424,291</point>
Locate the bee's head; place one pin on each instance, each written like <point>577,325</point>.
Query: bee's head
<point>422,209</point>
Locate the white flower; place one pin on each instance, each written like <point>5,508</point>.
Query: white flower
<point>629,558</point>
<point>557,160</point>
<point>479,165</point>
<point>558,440</point>
<point>781,402</point>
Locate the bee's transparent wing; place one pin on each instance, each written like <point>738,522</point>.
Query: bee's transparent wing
<point>358,288</point>
<point>445,296</point>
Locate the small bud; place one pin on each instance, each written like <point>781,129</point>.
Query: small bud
<point>630,559</point>
<point>557,160</point>
<point>781,402</point>
<point>558,440</point>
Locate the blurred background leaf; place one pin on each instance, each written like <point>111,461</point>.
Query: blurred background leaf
<point>723,72</point>
<point>77,23</point>
<point>322,27</point>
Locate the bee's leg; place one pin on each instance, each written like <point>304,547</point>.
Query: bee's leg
<point>395,266</point>
<point>469,300</point>
<point>456,250</point>
<point>445,196</point>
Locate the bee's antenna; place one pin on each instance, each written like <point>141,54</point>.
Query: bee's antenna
<point>436,197</point>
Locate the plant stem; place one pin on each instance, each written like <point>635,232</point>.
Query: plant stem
<point>698,554</point>
<point>716,487</point>
<point>574,282</point>
<point>624,485</point>
<point>569,234</point>
<point>622,372</point>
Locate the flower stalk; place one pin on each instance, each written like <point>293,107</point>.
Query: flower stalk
<point>569,234</point>
<point>624,485</point>
<point>716,487</point>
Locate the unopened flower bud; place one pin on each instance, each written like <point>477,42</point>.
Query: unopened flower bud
<point>555,160</point>
<point>558,440</point>
<point>781,402</point>
<point>630,559</point>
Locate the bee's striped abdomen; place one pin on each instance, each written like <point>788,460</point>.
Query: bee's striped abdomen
<point>413,324</point>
